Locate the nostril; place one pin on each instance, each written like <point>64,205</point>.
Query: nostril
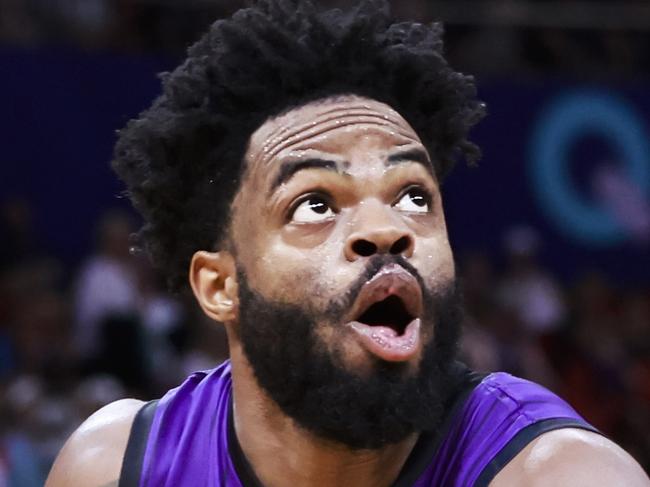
<point>364,248</point>
<point>400,245</point>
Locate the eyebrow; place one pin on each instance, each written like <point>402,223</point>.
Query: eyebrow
<point>411,155</point>
<point>289,168</point>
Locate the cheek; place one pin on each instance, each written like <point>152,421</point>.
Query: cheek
<point>435,262</point>
<point>283,273</point>
<point>313,276</point>
<point>435,259</point>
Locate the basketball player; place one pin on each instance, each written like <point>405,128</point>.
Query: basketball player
<point>292,169</point>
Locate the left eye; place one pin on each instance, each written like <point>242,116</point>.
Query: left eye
<point>414,200</point>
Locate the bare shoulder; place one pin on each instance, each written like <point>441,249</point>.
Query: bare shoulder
<point>572,457</point>
<point>92,456</point>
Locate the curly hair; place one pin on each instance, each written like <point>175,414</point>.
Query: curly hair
<point>183,158</point>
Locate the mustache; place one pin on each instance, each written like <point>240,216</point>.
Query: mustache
<point>374,265</point>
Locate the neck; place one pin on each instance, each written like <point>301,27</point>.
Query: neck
<point>282,453</point>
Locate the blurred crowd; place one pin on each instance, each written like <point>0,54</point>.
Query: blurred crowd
<point>73,338</point>
<point>483,36</point>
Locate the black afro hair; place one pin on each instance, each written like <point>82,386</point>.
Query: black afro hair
<point>182,159</point>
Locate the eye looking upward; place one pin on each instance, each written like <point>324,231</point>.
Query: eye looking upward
<point>312,209</point>
<point>414,200</point>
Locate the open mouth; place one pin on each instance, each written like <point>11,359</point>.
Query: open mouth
<point>385,316</point>
<point>390,312</point>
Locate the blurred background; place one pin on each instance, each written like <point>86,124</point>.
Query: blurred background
<point>551,230</point>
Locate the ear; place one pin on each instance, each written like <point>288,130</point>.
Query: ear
<point>213,278</point>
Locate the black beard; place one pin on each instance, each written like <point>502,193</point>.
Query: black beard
<point>311,384</point>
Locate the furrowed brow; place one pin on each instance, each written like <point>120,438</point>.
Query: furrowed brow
<point>411,155</point>
<point>289,168</point>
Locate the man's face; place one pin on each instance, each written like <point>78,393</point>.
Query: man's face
<point>343,261</point>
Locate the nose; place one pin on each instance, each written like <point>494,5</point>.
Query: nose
<point>380,234</point>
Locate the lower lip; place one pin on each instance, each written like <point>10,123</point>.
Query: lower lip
<point>385,343</point>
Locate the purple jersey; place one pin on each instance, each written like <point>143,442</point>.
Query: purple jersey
<point>187,438</point>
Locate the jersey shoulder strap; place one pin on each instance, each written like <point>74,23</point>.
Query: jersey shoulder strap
<point>522,439</point>
<point>137,445</point>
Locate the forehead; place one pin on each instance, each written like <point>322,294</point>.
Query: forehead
<point>305,126</point>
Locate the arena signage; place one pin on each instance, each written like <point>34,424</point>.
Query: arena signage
<point>568,117</point>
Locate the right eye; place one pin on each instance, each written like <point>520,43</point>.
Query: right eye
<point>312,209</point>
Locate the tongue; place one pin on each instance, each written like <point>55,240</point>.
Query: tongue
<point>385,343</point>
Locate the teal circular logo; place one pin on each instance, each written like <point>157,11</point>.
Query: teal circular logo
<point>563,122</point>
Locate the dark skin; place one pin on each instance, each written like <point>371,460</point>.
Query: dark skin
<point>290,241</point>
<point>301,227</point>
